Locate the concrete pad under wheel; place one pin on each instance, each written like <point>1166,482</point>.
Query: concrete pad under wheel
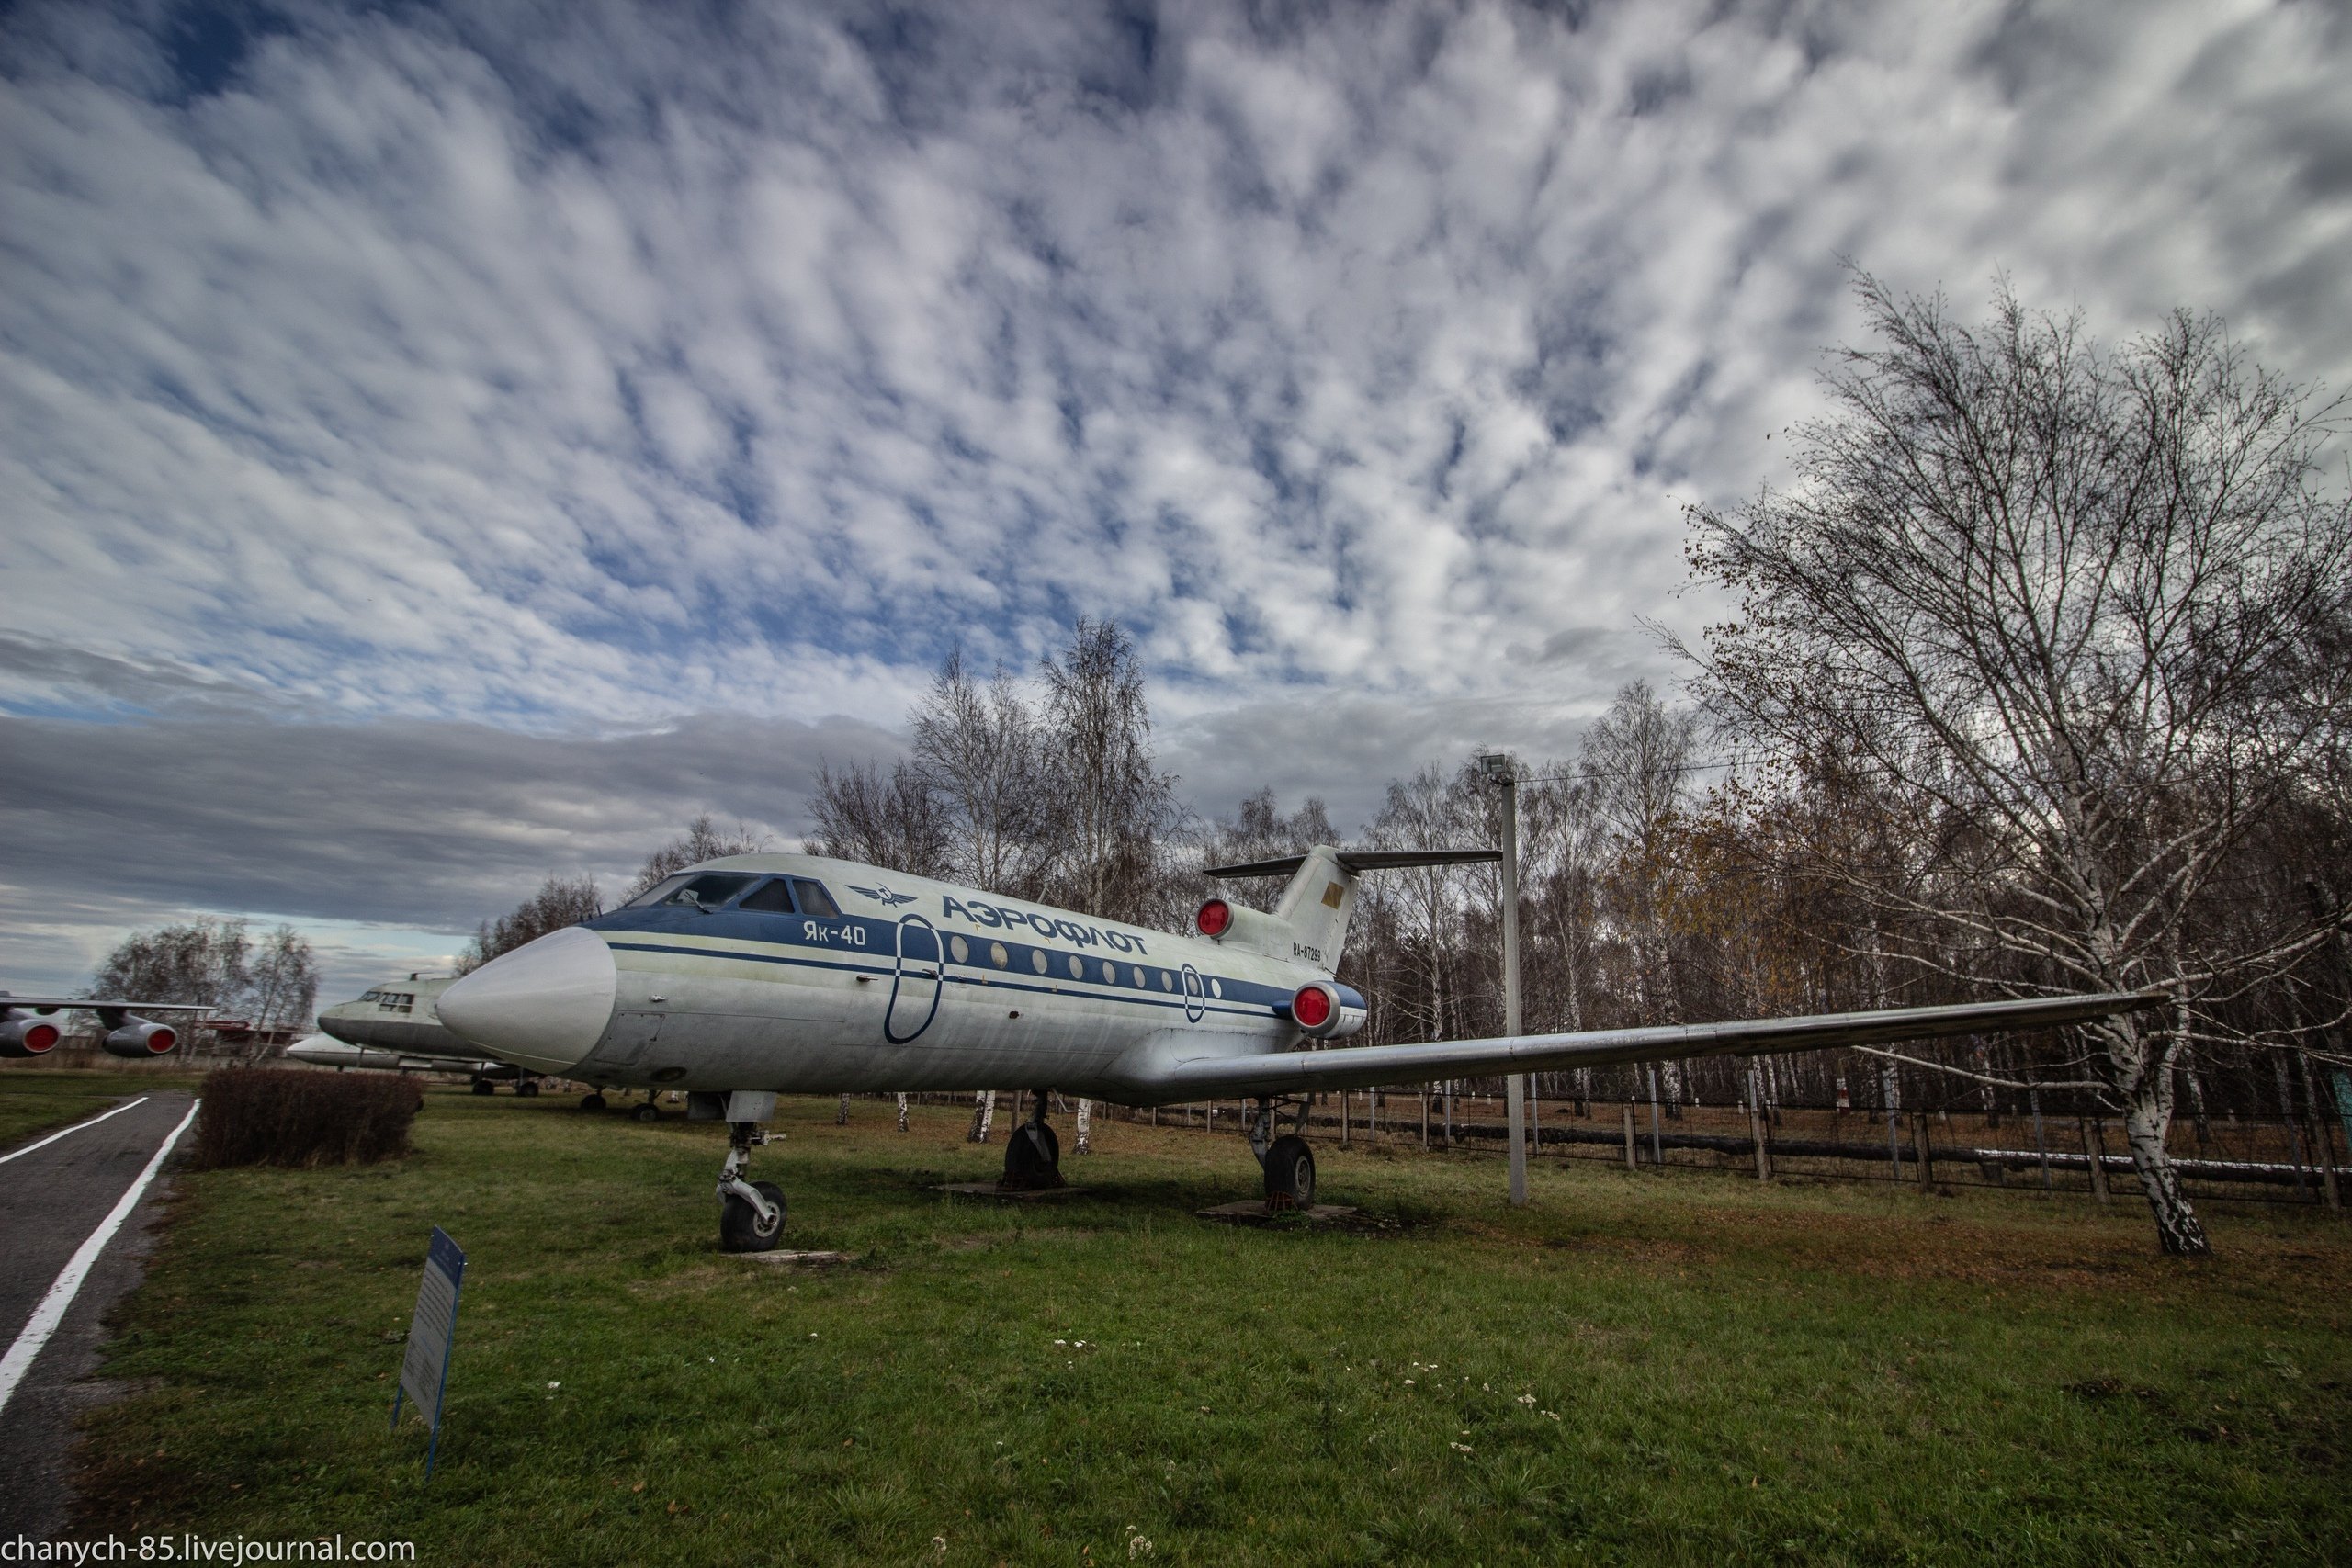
<point>1253,1212</point>
<point>794,1260</point>
<point>1010,1195</point>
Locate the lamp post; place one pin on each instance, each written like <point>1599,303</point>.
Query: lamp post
<point>1503,773</point>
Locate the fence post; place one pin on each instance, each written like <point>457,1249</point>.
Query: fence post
<point>1759,1128</point>
<point>1657,1135</point>
<point>2033,1098</point>
<point>1632,1150</point>
<point>2324,1158</point>
<point>2095,1147</point>
<point>1923,1151</point>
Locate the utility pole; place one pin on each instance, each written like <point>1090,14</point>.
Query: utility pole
<point>1504,774</point>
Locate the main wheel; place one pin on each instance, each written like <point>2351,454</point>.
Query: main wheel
<point>529,1089</point>
<point>1033,1158</point>
<point>482,1086</point>
<point>646,1112</point>
<point>1290,1174</point>
<point>738,1223</point>
<point>591,1103</point>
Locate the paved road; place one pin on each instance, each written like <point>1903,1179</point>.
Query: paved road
<point>51,1200</point>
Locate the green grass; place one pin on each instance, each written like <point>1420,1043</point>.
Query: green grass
<point>1683,1369</point>
<point>34,1101</point>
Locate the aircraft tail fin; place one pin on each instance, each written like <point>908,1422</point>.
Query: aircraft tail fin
<point>1315,907</point>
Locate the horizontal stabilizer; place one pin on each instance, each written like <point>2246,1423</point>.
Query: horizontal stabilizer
<point>1363,1066</point>
<point>1361,860</point>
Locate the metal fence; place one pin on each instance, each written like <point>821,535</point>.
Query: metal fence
<point>2262,1160</point>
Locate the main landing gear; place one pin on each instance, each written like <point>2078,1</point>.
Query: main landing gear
<point>751,1213</point>
<point>1289,1164</point>
<point>1032,1155</point>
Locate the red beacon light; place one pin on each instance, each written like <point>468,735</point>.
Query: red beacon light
<point>1311,1006</point>
<point>1214,917</point>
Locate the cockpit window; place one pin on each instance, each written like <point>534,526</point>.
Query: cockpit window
<point>706,890</point>
<point>814,899</point>
<point>657,894</point>
<point>775,899</point>
<point>372,996</point>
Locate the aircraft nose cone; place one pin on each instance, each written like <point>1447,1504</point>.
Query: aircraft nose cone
<point>544,1005</point>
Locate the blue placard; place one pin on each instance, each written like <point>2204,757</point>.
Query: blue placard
<point>424,1369</point>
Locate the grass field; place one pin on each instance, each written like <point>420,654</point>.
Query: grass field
<point>36,1100</point>
<point>1689,1368</point>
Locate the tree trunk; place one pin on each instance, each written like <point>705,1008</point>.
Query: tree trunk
<point>983,1113</point>
<point>840,1117</point>
<point>1085,1127</point>
<point>2178,1231</point>
<point>902,1114</point>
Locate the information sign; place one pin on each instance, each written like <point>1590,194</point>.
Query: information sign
<point>424,1369</point>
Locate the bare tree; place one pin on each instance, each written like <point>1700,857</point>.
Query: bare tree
<point>1117,804</point>
<point>894,822</point>
<point>560,901</point>
<point>701,842</point>
<point>214,963</point>
<point>202,961</point>
<point>282,981</point>
<point>979,749</point>
<point>1635,769</point>
<point>2080,612</point>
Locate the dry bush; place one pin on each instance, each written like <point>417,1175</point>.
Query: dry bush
<point>272,1116</point>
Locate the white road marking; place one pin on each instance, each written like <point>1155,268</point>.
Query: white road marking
<point>76,1128</point>
<point>51,1311</point>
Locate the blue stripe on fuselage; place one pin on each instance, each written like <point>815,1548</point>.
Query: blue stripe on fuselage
<point>876,943</point>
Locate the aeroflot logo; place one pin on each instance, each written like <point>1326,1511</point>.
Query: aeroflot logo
<point>1005,916</point>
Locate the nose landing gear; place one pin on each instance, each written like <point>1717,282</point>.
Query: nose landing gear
<point>751,1213</point>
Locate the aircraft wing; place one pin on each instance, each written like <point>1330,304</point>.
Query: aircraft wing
<point>1362,1066</point>
<point>95,1004</point>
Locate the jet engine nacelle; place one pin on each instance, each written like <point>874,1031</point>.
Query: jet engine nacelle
<point>140,1038</point>
<point>24,1032</point>
<point>1325,1009</point>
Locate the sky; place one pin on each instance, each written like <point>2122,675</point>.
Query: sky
<point>442,446</point>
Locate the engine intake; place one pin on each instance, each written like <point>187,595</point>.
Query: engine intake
<point>140,1038</point>
<point>1325,1009</point>
<point>25,1032</point>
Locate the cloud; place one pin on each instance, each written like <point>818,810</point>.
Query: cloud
<point>513,381</point>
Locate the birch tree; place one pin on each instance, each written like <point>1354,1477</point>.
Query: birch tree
<point>2082,612</point>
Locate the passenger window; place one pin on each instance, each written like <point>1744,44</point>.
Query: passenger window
<point>775,899</point>
<point>814,899</point>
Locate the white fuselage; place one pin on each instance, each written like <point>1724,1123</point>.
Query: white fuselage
<point>910,984</point>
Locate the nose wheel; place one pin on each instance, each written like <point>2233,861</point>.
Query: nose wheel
<point>751,1213</point>
<point>742,1228</point>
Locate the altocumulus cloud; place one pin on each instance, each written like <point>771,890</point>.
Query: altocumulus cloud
<point>568,372</point>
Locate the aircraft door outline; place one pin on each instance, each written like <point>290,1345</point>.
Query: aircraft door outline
<point>921,962</point>
<point>1195,1001</point>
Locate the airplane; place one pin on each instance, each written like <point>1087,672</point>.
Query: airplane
<point>753,975</point>
<point>397,1019</point>
<point>29,1026</point>
<point>324,1050</point>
